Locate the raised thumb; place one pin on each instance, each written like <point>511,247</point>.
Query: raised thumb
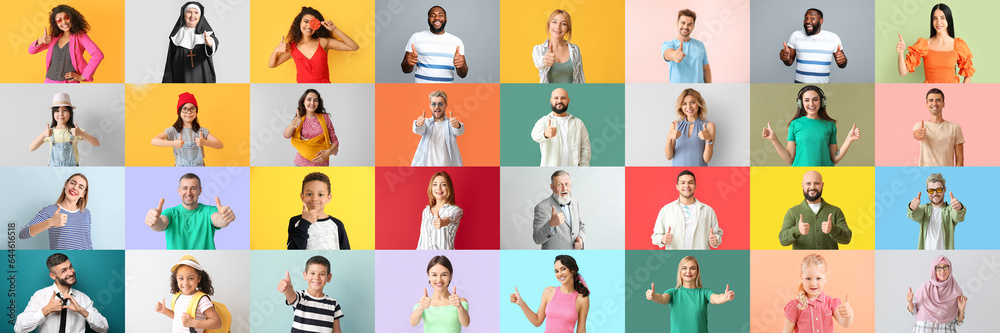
<point>287,276</point>
<point>668,229</point>
<point>921,124</point>
<point>901,38</point>
<point>784,45</point>
<point>839,48</point>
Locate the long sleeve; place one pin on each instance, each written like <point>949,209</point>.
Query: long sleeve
<point>168,68</point>
<point>713,223</point>
<point>577,58</point>
<point>330,130</point>
<point>456,131</point>
<point>32,48</point>
<point>422,130</point>
<point>658,228</point>
<point>915,214</point>
<point>840,232</point>
<point>96,56</point>
<point>537,54</point>
<point>345,244</point>
<point>540,224</point>
<point>538,132</point>
<point>42,215</point>
<point>580,222</point>
<point>97,321</point>
<point>957,215</point>
<point>584,145</point>
<point>789,230</point>
<point>32,316</point>
<point>298,233</point>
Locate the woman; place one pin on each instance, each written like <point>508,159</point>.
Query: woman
<point>812,134</point>
<point>558,60</point>
<point>311,132</point>
<point>308,39</point>
<point>689,300</point>
<point>566,306</point>
<point>683,147</point>
<point>443,311</point>
<point>938,304</point>
<point>68,220</point>
<point>941,53</point>
<point>192,45</point>
<point>66,39</point>
<point>440,218</point>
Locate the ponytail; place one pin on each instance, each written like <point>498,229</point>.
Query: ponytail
<point>580,285</point>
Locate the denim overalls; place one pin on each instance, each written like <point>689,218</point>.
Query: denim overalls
<point>62,153</point>
<point>190,154</point>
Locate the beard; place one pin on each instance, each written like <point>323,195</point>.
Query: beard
<point>435,30</point>
<point>562,201</point>
<point>819,194</point>
<point>558,110</point>
<point>67,283</point>
<point>815,30</point>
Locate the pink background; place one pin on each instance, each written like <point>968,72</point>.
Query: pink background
<point>899,106</point>
<point>723,25</point>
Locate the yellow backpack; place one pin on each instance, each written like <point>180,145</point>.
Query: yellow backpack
<point>224,315</point>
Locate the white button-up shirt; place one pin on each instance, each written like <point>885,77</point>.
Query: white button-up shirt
<point>32,317</point>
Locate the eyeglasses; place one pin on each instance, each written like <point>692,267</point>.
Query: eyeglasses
<point>189,111</point>
<point>942,268</point>
<point>935,190</point>
<point>436,104</point>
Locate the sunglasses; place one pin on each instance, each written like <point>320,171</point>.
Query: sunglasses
<point>436,104</point>
<point>935,190</point>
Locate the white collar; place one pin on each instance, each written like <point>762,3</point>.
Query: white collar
<point>186,38</point>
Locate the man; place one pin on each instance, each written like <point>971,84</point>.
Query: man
<point>688,63</point>
<point>190,225</point>
<point>938,218</point>
<point>562,138</point>
<point>558,223</point>
<point>814,224</point>
<point>813,49</point>
<point>686,223</point>
<point>437,55</point>
<point>941,141</point>
<point>59,307</point>
<point>438,145</point>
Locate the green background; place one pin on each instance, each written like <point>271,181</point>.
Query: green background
<point>718,268</point>
<point>598,105</point>
<point>912,19</point>
<point>847,103</point>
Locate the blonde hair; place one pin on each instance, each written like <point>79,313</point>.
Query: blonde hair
<point>697,276</point>
<point>936,178</point>
<point>814,260</point>
<point>438,93</point>
<point>569,23</point>
<point>702,108</point>
<point>80,203</point>
<point>450,198</point>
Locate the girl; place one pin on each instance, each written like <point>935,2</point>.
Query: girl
<point>188,279</point>
<point>63,134</point>
<point>558,60</point>
<point>566,305</point>
<point>683,147</point>
<point>440,218</point>
<point>186,136</point>
<point>689,300</point>
<point>66,39</point>
<point>68,220</point>
<point>939,304</point>
<point>307,41</point>
<point>311,132</point>
<point>442,312</point>
<point>812,134</point>
<point>811,310</point>
<point>941,53</point>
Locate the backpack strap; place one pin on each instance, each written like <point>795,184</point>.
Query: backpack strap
<point>193,306</point>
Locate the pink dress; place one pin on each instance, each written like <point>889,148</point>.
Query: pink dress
<point>560,313</point>
<point>817,317</point>
<point>311,129</point>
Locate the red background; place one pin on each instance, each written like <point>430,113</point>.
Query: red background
<point>725,189</point>
<point>401,195</point>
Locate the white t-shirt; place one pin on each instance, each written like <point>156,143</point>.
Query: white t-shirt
<point>690,224</point>
<point>564,155</point>
<point>323,235</point>
<point>814,207</point>
<point>813,55</point>
<point>435,56</point>
<point>934,240</point>
<point>437,150</point>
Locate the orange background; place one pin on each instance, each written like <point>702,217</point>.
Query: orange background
<point>774,275</point>
<point>475,105</point>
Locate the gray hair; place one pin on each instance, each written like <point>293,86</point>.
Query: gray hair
<point>557,174</point>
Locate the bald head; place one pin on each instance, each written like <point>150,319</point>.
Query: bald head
<point>812,176</point>
<point>559,101</point>
<point>812,186</point>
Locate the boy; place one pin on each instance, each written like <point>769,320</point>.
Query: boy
<point>314,311</point>
<point>313,229</point>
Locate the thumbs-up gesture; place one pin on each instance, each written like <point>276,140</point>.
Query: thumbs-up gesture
<point>730,295</point>
<point>208,40</point>
<point>803,227</point>
<point>187,320</point>
<point>309,215</point>
<point>713,240</point>
<point>674,134</point>
<point>454,299</point>
<point>915,203</point>
<point>955,204</point>
<point>549,58</point>
<point>705,135</point>
<point>159,306</point>
<point>827,225</point>
<point>224,211</point>
<point>785,52</point>
<point>75,131</point>
<point>47,132</point>
<point>901,46</point>
<point>459,58</point>
<point>283,47</point>
<point>768,133</point>
<point>516,297</point>
<point>179,143</point>
<point>423,117</point>
<point>453,120</point>
<point>557,218</point>
<point>437,221</point>
<point>46,38</point>
<point>838,55</point>
<point>411,57</point>
<point>198,141</point>
<point>651,291</point>
<point>154,214</point>
<point>550,131</point>
<point>578,244</point>
<point>296,122</point>
<point>679,54</point>
<point>425,302</point>
<point>668,237</point>
<point>921,132</point>
<point>854,134</point>
<point>909,295</point>
<point>285,283</point>
<point>845,307</point>
<point>58,219</point>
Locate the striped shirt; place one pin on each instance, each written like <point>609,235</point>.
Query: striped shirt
<point>435,56</point>
<point>75,235</point>
<point>439,239</point>
<point>180,309</point>
<point>813,55</point>
<point>931,327</point>
<point>314,314</point>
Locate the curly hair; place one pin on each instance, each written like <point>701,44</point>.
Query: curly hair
<point>204,284</point>
<point>78,24</point>
<point>295,33</point>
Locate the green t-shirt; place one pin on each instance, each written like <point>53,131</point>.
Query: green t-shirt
<point>689,309</point>
<point>442,319</point>
<point>190,229</point>
<point>813,138</point>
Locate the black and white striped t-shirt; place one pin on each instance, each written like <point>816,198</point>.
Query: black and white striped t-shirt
<point>314,314</point>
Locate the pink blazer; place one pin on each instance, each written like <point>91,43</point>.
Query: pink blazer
<point>75,54</point>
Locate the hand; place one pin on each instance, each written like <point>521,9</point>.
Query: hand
<point>46,38</point>
<point>459,59</point>
<point>705,135</point>
<point>159,308</point>
<point>651,291</point>
<point>75,131</point>
<point>839,56</point>
<point>785,52</point>
<point>955,204</point>
<point>187,320</point>
<point>411,57</point>
<point>667,237</point>
<point>803,227</point>
<point>74,76</point>
<point>578,244</point>
<point>909,296</point>
<point>827,225</point>
<point>679,54</point>
<point>920,133</point>
<point>225,211</point>
<point>73,305</point>
<point>47,132</point>
<point>550,131</point>
<point>454,299</point>
<point>55,304</point>
<point>674,134</point>
<point>285,283</point>
<point>730,295</point>
<point>454,121</point>
<point>962,300</point>
<point>901,46</point>
<point>854,134</point>
<point>516,297</point>
<point>423,117</point>
<point>329,25</point>
<point>179,143</point>
<point>198,141</point>
<point>310,215</point>
<point>296,122</point>
<point>283,47</point>
<point>844,307</point>
<point>713,240</point>
<point>208,40</point>
<point>557,218</point>
<point>437,222</point>
<point>321,156</point>
<point>425,302</point>
<point>768,133</point>
<point>154,214</point>
<point>58,219</point>
<point>334,148</point>
<point>915,203</point>
<point>549,58</point>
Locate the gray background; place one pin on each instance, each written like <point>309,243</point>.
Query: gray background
<point>351,108</point>
<point>774,20</point>
<point>100,110</point>
<point>974,271</point>
<point>648,118</point>
<point>477,23</point>
<point>150,23</point>
<point>600,191</point>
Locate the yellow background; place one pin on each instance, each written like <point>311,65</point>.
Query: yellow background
<point>274,196</point>
<point>775,189</point>
<point>222,108</point>
<point>598,29</point>
<point>24,22</point>
<point>272,18</point>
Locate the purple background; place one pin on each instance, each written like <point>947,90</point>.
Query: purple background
<point>400,277</point>
<point>144,186</point>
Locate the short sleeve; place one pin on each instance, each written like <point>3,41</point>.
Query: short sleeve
<point>707,295</point>
<point>704,54</point>
<point>791,41</point>
<point>673,295</point>
<point>203,132</point>
<point>839,43</point>
<point>917,51</point>
<point>792,310</point>
<point>411,41</point>
<point>964,58</point>
<point>833,132</point>
<point>461,46</point>
<point>171,133</point>
<point>670,44</point>
<point>833,304</point>
<point>791,131</point>
<point>959,137</point>
<point>204,304</point>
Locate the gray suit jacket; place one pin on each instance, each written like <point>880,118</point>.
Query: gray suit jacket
<point>563,236</point>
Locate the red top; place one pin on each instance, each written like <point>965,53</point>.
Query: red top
<point>311,70</point>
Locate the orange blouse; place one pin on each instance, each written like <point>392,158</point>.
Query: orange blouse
<point>939,66</point>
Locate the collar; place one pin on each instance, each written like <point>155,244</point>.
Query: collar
<point>822,298</point>
<point>552,114</point>
<point>55,288</point>
<point>695,204</point>
<point>822,203</point>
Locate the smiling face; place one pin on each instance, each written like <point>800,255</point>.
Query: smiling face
<point>813,280</point>
<point>64,273</point>
<point>935,103</point>
<point>189,113</point>
<point>188,279</point>
<point>440,189</point>
<point>939,22</point>
<point>64,21</point>
<point>315,195</point>
<point>439,277</point>
<point>559,100</point>
<point>562,187</point>
<point>189,190</point>
<point>191,17</point>
<point>686,186</point>
<point>317,276</point>
<point>436,20</point>
<point>685,25</point>
<point>812,23</point>
<point>563,274</point>
<point>558,26</point>
<point>438,106</point>
<point>689,272</point>
<point>812,186</point>
<point>811,103</point>
<point>937,199</point>
<point>311,102</point>
<point>304,25</point>
<point>75,188</point>
<point>942,271</point>
<point>690,107</point>
<point>63,115</point>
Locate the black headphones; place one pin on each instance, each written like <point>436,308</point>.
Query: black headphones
<point>822,96</point>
